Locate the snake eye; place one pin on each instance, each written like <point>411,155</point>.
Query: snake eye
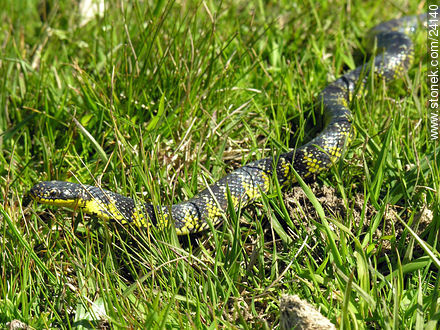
<point>53,193</point>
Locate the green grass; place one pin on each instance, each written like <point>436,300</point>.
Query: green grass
<point>156,100</point>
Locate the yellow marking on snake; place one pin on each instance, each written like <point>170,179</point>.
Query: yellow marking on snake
<point>213,209</point>
<point>105,211</point>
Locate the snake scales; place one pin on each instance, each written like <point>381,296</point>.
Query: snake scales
<point>249,182</point>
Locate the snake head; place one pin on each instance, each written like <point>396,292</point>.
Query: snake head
<point>57,193</point>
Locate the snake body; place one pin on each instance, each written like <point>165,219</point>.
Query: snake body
<point>249,182</point>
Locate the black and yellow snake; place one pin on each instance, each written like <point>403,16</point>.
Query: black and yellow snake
<point>245,184</point>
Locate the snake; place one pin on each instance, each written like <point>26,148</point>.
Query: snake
<point>394,56</point>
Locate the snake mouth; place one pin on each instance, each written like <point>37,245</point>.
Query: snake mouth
<point>70,203</point>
